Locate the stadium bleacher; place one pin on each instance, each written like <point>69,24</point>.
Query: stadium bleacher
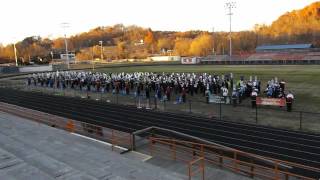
<point>293,53</point>
<point>285,56</point>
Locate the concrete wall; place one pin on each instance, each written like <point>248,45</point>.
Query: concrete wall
<point>9,69</point>
<point>59,67</point>
<point>35,68</point>
<point>165,58</point>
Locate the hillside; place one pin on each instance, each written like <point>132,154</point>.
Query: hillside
<point>119,41</point>
<point>306,20</point>
<point>297,26</point>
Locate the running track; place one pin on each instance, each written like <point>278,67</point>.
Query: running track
<point>292,146</point>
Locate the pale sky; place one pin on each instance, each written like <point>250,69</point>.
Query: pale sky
<point>22,18</point>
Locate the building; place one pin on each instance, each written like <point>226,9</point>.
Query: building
<point>285,48</point>
<point>271,54</point>
<point>164,58</point>
<point>286,54</point>
<point>190,60</point>
<point>71,57</point>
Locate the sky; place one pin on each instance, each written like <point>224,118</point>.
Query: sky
<point>23,18</point>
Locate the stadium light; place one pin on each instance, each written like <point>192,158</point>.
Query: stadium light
<point>229,6</point>
<point>65,26</point>
<point>15,53</point>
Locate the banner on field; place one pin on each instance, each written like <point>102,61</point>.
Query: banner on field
<point>271,101</point>
<point>218,99</point>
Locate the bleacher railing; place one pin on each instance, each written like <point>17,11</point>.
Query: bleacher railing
<point>234,160</point>
<point>194,154</point>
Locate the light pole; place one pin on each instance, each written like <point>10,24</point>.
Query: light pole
<point>51,57</point>
<point>64,26</point>
<point>15,53</point>
<point>100,42</point>
<point>92,55</point>
<point>213,39</point>
<point>230,6</point>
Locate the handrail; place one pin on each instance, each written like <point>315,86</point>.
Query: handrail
<point>200,169</point>
<point>77,126</point>
<point>238,151</point>
<point>176,144</point>
<point>209,143</point>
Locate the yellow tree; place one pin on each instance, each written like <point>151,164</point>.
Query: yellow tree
<point>83,55</point>
<point>121,48</point>
<point>7,52</point>
<point>150,41</point>
<point>149,38</point>
<point>202,45</point>
<point>182,47</point>
<point>164,43</point>
<point>58,43</point>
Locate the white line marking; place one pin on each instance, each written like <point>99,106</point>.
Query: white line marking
<point>147,157</point>
<point>102,142</point>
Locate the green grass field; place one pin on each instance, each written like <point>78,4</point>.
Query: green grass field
<point>302,80</point>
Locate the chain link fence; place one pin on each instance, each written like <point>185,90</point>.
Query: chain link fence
<point>197,106</point>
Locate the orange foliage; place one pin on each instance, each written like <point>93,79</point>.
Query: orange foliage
<point>299,26</point>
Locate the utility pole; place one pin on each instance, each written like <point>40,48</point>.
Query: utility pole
<point>64,26</point>
<point>123,28</point>
<point>100,42</point>
<point>230,6</point>
<point>213,39</point>
<point>51,57</point>
<point>15,53</point>
<point>92,55</point>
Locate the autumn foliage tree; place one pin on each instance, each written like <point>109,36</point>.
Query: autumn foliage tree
<point>121,48</point>
<point>84,55</point>
<point>149,40</point>
<point>6,53</point>
<point>202,45</point>
<point>165,44</point>
<point>58,44</point>
<point>298,26</point>
<point>182,46</point>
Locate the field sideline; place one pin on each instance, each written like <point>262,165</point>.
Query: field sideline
<point>302,80</point>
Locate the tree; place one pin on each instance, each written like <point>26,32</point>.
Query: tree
<point>298,26</point>
<point>165,44</point>
<point>121,47</point>
<point>7,52</point>
<point>84,55</point>
<point>149,38</point>
<point>202,45</point>
<point>134,34</point>
<point>182,47</point>
<point>58,43</point>
<point>150,41</point>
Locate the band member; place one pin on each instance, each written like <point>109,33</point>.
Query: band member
<point>254,95</point>
<point>289,100</point>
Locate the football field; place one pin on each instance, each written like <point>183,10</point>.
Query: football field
<point>302,80</point>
